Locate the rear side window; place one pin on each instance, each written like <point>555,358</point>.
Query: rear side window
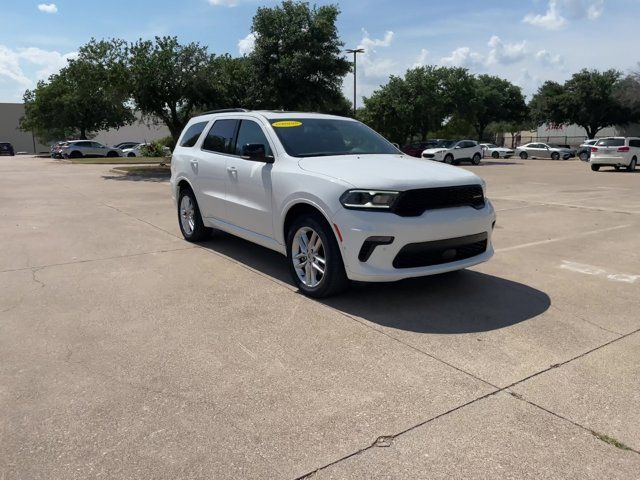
<point>634,143</point>
<point>192,134</point>
<point>611,142</point>
<point>220,137</point>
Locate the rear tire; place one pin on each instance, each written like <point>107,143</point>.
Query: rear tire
<point>555,156</point>
<point>476,159</point>
<point>524,155</point>
<point>584,156</point>
<point>595,168</point>
<point>189,218</point>
<point>131,154</point>
<point>632,165</point>
<point>333,278</point>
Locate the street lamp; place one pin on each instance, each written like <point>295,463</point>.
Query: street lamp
<point>355,52</point>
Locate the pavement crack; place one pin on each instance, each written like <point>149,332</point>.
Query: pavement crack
<point>34,277</point>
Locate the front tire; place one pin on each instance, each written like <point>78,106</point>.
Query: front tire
<point>524,155</point>
<point>448,159</point>
<point>314,258</point>
<point>555,156</point>
<point>75,154</point>
<point>476,159</point>
<point>584,156</point>
<point>189,218</point>
<point>495,155</point>
<point>632,165</point>
<point>131,154</point>
<point>112,154</point>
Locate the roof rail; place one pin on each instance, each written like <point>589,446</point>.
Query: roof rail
<point>225,110</point>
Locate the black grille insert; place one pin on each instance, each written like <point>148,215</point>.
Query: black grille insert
<point>438,252</point>
<point>414,203</point>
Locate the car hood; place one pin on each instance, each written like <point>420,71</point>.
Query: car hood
<point>390,172</point>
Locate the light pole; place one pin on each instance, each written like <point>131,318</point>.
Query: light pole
<point>355,52</point>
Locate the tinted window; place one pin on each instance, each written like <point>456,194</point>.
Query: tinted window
<point>320,137</point>
<point>634,143</point>
<point>192,134</point>
<point>220,136</point>
<point>251,133</point>
<point>611,142</point>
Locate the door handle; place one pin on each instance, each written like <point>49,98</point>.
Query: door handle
<point>193,162</point>
<point>232,170</point>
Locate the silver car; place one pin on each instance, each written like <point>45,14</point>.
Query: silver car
<point>543,150</point>
<point>88,148</point>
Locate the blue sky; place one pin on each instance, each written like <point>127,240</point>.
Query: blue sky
<point>525,41</point>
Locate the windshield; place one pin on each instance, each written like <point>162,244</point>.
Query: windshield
<point>611,142</point>
<point>445,143</point>
<point>321,137</point>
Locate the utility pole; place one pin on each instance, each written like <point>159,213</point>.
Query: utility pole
<point>355,52</point>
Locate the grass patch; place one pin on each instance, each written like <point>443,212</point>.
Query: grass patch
<point>145,170</point>
<point>120,160</point>
<point>610,440</point>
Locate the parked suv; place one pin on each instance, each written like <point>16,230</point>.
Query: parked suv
<point>88,148</point>
<point>335,197</point>
<point>452,151</point>
<point>616,152</point>
<point>7,149</point>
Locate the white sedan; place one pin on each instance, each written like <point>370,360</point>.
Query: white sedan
<point>494,151</point>
<point>137,151</point>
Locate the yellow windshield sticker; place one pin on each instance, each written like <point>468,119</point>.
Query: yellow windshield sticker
<point>287,124</point>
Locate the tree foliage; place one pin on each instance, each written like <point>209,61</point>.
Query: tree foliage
<point>591,99</point>
<point>296,61</point>
<point>88,95</point>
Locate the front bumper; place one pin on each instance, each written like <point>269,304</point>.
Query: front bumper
<point>357,226</point>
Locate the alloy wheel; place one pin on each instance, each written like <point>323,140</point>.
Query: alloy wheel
<point>187,215</point>
<point>308,256</point>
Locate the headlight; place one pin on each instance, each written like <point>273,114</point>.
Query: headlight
<point>484,186</point>
<point>368,199</point>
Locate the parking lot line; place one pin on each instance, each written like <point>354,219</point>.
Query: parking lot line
<point>560,239</point>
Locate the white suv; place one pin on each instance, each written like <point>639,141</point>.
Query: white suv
<point>88,148</point>
<point>335,197</point>
<point>452,151</point>
<point>616,152</point>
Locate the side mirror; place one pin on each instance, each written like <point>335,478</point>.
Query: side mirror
<point>457,147</point>
<point>256,152</point>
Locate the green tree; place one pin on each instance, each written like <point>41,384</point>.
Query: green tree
<point>388,112</point>
<point>297,60</point>
<point>169,81</point>
<point>493,99</point>
<point>88,95</point>
<point>591,99</point>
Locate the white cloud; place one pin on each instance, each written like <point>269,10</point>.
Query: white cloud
<point>247,44</point>
<point>50,60</point>
<point>551,20</point>
<point>505,53</point>
<point>546,58</point>
<point>422,58</point>
<point>10,67</point>
<point>463,57</point>
<point>369,43</point>
<point>48,8</point>
<point>558,11</point>
<point>224,3</point>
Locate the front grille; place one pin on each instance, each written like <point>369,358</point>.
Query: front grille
<point>438,252</point>
<point>414,203</point>
<point>428,155</point>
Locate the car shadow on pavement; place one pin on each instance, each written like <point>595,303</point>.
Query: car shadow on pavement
<point>157,178</point>
<point>460,302</point>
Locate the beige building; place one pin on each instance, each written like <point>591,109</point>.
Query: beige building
<point>10,114</point>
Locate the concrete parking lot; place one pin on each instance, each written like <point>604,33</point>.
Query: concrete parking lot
<point>126,352</point>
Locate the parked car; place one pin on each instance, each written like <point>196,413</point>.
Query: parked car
<point>7,149</point>
<point>415,149</point>
<point>616,152</point>
<point>331,194</point>
<point>494,151</point>
<point>584,150</point>
<point>56,149</point>
<point>455,151</point>
<point>136,151</point>
<point>88,148</point>
<point>125,145</point>
<point>543,150</point>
